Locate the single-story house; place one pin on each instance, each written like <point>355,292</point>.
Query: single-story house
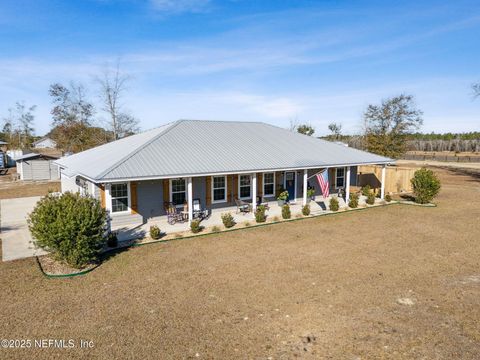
<point>44,143</point>
<point>35,166</point>
<point>213,161</point>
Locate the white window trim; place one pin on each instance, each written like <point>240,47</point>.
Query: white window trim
<point>224,200</point>
<point>108,198</point>
<point>249,197</point>
<point>285,183</point>
<point>171,193</point>
<point>263,184</point>
<point>344,177</point>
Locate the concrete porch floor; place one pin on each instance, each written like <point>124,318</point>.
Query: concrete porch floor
<point>136,231</point>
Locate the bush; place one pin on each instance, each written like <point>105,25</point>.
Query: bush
<point>227,220</point>
<point>388,198</point>
<point>310,193</point>
<point>370,199</point>
<point>195,226</point>
<point>155,232</point>
<point>215,229</point>
<point>112,239</point>
<point>306,210</point>
<point>353,202</point>
<point>426,185</point>
<point>366,190</point>
<point>70,226</point>
<point>260,214</point>
<point>286,214</point>
<point>334,205</point>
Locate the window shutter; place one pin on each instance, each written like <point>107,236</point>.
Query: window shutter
<point>102,196</point>
<point>278,182</point>
<point>229,188</point>
<point>133,198</point>
<point>166,188</point>
<point>260,184</point>
<point>208,191</point>
<point>235,187</point>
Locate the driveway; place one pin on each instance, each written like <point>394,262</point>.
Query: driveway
<point>16,239</point>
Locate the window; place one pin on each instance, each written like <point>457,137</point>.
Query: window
<point>119,194</point>
<point>339,177</point>
<point>269,184</point>
<point>179,191</point>
<point>244,184</point>
<point>219,189</point>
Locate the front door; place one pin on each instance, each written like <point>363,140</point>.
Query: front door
<point>290,184</point>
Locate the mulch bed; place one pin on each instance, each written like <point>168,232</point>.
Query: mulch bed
<point>50,266</point>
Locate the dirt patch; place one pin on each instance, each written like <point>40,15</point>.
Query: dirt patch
<point>17,189</point>
<point>335,279</point>
<point>53,267</point>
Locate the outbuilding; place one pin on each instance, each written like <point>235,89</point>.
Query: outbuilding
<point>37,167</point>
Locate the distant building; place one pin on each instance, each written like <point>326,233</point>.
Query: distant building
<point>44,143</point>
<point>37,167</point>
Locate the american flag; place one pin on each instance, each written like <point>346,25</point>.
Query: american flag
<point>323,181</point>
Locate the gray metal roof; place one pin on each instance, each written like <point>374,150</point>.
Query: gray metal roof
<point>30,156</point>
<point>194,147</point>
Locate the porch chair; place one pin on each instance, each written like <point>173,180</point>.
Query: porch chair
<point>261,201</point>
<point>243,207</point>
<point>198,212</point>
<point>173,215</point>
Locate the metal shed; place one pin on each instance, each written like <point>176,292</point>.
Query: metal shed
<point>37,167</point>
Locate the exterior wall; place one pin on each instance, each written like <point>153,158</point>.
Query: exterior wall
<point>69,184</point>
<point>150,199</point>
<point>45,144</point>
<point>38,169</point>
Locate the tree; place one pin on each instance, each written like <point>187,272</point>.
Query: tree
<point>305,129</point>
<point>18,125</point>
<point>336,130</point>
<point>388,124</point>
<point>70,226</point>
<point>426,185</point>
<point>76,136</point>
<point>113,85</point>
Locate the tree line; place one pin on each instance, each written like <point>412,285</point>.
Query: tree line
<point>77,124</point>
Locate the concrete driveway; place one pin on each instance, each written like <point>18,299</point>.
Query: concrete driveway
<point>16,239</point>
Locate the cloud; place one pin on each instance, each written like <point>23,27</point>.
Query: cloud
<point>180,6</point>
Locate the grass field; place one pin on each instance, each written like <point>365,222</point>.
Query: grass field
<point>398,282</point>
<point>10,189</point>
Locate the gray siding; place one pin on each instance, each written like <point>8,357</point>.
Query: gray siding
<point>39,170</point>
<point>150,199</point>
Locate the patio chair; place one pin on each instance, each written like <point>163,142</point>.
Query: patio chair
<point>198,212</point>
<point>173,215</point>
<point>243,206</point>
<point>261,201</point>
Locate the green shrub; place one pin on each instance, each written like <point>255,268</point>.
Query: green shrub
<point>426,185</point>
<point>112,239</point>
<point>70,226</point>
<point>286,214</point>
<point>366,190</point>
<point>155,232</point>
<point>227,220</point>
<point>370,199</point>
<point>306,210</point>
<point>260,216</point>
<point>334,205</point>
<point>388,198</point>
<point>215,229</point>
<point>283,196</point>
<point>310,193</point>
<point>353,202</point>
<point>195,226</point>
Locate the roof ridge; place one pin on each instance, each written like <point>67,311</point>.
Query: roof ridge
<point>170,125</point>
<point>224,121</point>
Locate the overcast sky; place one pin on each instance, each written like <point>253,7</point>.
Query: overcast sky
<point>271,61</point>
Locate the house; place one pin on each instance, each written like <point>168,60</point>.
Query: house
<point>44,143</point>
<point>213,161</point>
<point>37,167</point>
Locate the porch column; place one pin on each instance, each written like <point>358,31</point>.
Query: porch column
<point>190,199</point>
<point>382,188</point>
<point>254,192</point>
<point>347,186</point>
<point>305,185</point>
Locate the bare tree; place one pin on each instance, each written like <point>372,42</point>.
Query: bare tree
<point>113,85</point>
<point>336,130</point>
<point>18,125</point>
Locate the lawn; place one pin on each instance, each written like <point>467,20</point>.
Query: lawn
<point>389,282</point>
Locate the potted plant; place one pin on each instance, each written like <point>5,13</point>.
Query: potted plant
<point>310,194</point>
<point>282,198</point>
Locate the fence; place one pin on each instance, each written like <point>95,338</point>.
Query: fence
<point>397,178</point>
<point>443,157</point>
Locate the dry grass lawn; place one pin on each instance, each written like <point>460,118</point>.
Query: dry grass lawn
<point>10,189</point>
<point>399,282</point>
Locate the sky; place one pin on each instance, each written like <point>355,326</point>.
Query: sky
<point>274,61</point>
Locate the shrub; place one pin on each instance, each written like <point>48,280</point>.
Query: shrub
<point>283,196</point>
<point>112,239</point>
<point>306,210</point>
<point>195,226</point>
<point>353,202</point>
<point>310,193</point>
<point>260,214</point>
<point>286,214</point>
<point>155,232</point>
<point>70,226</point>
<point>215,229</point>
<point>388,198</point>
<point>334,205</point>
<point>227,220</point>
<point>366,190</point>
<point>426,185</point>
<point>370,199</point>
